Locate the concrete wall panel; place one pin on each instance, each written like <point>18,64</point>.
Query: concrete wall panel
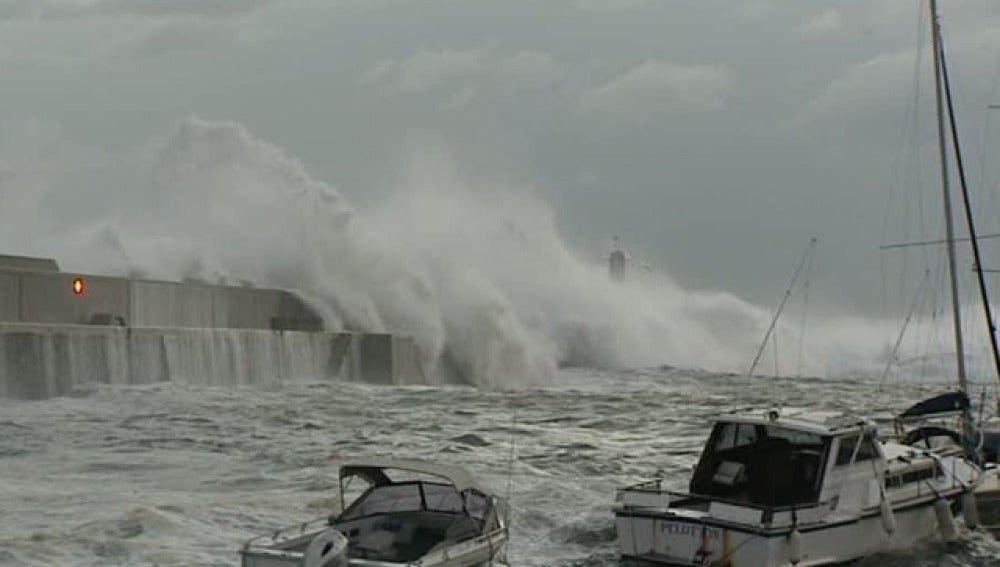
<point>166,304</point>
<point>220,307</point>
<point>42,361</point>
<point>49,298</point>
<point>406,366</point>
<point>375,360</point>
<point>252,308</point>
<point>37,297</point>
<point>28,263</point>
<point>10,297</point>
<point>292,306</point>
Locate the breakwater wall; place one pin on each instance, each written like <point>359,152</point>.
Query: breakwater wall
<point>40,297</point>
<point>40,361</point>
<point>62,331</point>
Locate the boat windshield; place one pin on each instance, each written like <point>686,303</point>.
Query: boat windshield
<point>759,464</point>
<point>416,497</point>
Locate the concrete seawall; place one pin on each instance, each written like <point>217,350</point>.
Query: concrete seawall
<point>40,361</point>
<point>48,297</point>
<point>60,331</point>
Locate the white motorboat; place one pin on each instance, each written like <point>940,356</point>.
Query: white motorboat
<point>776,488</point>
<point>410,513</point>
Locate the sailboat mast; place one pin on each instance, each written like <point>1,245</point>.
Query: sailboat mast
<point>946,193</point>
<point>970,222</point>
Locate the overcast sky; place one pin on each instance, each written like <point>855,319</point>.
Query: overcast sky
<point>715,136</point>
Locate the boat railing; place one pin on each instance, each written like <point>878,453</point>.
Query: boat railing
<point>748,504</point>
<point>676,496</point>
<point>646,486</point>
<point>288,533</point>
<point>493,539</point>
<point>258,544</point>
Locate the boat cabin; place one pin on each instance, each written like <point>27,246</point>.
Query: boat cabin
<point>776,461</point>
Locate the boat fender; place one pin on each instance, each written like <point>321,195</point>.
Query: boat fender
<point>794,547</point>
<point>970,511</point>
<point>327,549</point>
<point>888,518</point>
<point>946,523</point>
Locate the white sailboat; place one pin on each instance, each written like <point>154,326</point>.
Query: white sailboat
<point>926,424</point>
<point>778,488</point>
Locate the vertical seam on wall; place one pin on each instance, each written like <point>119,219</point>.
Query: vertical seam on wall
<point>128,302</point>
<point>20,298</point>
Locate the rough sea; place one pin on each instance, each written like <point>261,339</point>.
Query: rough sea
<point>174,474</point>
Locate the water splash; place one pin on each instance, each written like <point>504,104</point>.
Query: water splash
<point>478,274</point>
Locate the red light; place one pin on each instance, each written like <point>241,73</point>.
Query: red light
<point>78,286</point>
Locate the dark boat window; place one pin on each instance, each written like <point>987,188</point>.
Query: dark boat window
<point>909,477</point>
<point>442,498</point>
<point>477,505</point>
<point>385,499</point>
<point>866,452</point>
<point>846,450</point>
<point>734,435</point>
<point>761,464</point>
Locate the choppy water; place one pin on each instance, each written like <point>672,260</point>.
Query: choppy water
<point>182,475</point>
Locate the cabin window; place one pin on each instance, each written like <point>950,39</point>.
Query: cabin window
<point>442,498</point>
<point>412,497</point>
<point>735,435</point>
<point>477,505</point>
<point>897,480</point>
<point>792,436</point>
<point>761,464</point>
<point>845,450</point>
<point>866,452</point>
<point>386,498</point>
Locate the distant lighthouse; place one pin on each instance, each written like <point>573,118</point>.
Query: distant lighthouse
<point>616,262</point>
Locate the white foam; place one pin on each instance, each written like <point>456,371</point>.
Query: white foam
<point>479,274</point>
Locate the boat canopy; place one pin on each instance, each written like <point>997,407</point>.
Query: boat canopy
<point>818,422</point>
<point>374,472</point>
<point>763,463</point>
<point>945,403</point>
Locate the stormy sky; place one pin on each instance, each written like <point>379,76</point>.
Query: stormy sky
<point>715,136</point>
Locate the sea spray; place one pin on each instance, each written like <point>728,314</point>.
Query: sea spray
<point>477,272</point>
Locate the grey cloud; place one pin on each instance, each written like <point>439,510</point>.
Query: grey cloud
<point>527,68</point>
<point>162,8</point>
<point>462,98</point>
<point>426,69</point>
<point>464,71</point>
<point>609,5</point>
<point>658,85</point>
<point>16,9</point>
<point>755,10</point>
<point>555,94</point>
<point>84,9</point>
<point>823,25</point>
<point>183,36</point>
<point>873,83</point>
<point>879,86</point>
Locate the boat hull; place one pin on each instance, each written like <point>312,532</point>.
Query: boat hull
<point>484,549</point>
<point>676,539</point>
<point>988,502</point>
